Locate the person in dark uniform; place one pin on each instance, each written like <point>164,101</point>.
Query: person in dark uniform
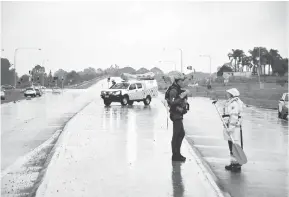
<point>113,83</point>
<point>178,107</point>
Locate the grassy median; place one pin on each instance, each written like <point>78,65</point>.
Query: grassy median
<point>251,93</point>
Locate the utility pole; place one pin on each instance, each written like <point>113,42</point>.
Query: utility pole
<point>258,68</point>
<point>15,54</point>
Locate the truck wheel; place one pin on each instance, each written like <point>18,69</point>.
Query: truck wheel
<point>124,101</point>
<point>147,100</point>
<point>130,102</point>
<point>106,102</point>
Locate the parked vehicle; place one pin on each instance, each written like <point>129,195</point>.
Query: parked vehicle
<point>38,92</point>
<point>129,91</point>
<point>2,94</point>
<point>283,106</point>
<point>7,87</point>
<point>56,90</point>
<point>30,92</point>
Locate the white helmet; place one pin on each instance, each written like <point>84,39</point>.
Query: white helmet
<point>176,75</point>
<point>234,92</point>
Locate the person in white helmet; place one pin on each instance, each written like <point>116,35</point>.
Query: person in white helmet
<point>232,116</point>
<point>176,99</point>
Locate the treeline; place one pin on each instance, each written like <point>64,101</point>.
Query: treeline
<point>39,75</point>
<point>258,60</point>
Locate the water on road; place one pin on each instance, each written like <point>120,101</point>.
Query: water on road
<point>28,123</point>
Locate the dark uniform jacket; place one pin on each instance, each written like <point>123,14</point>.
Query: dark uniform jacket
<point>177,105</point>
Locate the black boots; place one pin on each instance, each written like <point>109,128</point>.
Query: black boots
<point>178,157</point>
<point>233,167</point>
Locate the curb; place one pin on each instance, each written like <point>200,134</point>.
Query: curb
<point>206,170</point>
<point>52,159</point>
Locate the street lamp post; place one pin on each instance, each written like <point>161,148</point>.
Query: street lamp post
<point>170,62</point>
<point>15,53</point>
<point>210,64</point>
<point>181,53</point>
<point>258,69</point>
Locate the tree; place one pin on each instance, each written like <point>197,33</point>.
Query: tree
<point>38,74</point>
<point>271,57</point>
<point>224,68</point>
<point>60,73</point>
<point>7,74</point>
<point>49,79</point>
<point>236,55</point>
<point>24,81</point>
<point>281,66</point>
<point>246,61</point>
<point>72,77</point>
<point>259,58</point>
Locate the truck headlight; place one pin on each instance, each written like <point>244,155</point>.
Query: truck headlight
<point>117,93</point>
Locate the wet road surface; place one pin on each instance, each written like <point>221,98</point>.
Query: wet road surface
<point>120,151</point>
<point>265,140</point>
<point>28,123</point>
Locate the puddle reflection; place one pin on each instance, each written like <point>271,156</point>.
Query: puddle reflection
<point>177,180</point>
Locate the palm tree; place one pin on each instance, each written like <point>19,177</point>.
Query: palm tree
<point>272,56</point>
<point>258,55</point>
<point>246,61</point>
<point>236,55</point>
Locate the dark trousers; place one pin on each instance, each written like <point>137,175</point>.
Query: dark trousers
<point>178,136</point>
<point>230,143</point>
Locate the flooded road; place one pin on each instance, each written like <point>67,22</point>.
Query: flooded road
<point>265,139</point>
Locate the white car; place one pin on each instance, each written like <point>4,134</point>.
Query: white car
<point>30,92</point>
<point>126,92</point>
<point>56,90</point>
<point>283,106</point>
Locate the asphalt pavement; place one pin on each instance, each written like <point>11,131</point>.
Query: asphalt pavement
<point>29,130</point>
<point>121,151</point>
<point>265,139</point>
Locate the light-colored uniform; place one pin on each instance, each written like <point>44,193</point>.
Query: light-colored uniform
<point>233,107</point>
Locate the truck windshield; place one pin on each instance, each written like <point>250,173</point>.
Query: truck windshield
<point>120,86</point>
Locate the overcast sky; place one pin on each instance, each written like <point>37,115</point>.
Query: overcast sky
<point>76,35</point>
